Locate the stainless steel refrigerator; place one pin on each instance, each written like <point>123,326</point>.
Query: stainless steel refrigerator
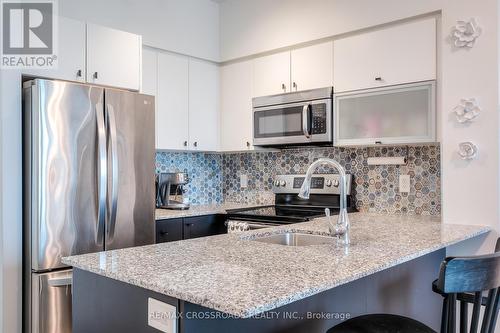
<point>88,186</point>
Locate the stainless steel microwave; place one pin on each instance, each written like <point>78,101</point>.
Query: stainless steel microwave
<point>296,118</point>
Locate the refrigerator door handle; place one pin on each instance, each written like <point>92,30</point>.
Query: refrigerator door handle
<point>111,124</point>
<point>102,173</point>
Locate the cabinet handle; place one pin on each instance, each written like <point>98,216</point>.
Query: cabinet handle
<point>164,233</point>
<point>185,143</point>
<point>96,76</point>
<point>189,224</point>
<point>248,144</point>
<point>378,78</point>
<point>378,142</point>
<point>295,86</point>
<point>283,86</point>
<point>79,73</point>
<point>195,144</point>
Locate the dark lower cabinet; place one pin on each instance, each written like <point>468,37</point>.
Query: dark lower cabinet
<point>201,226</point>
<point>169,230</point>
<point>189,227</point>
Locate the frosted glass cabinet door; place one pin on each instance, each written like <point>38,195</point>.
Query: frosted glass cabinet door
<point>393,115</point>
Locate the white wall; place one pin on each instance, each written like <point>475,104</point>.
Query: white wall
<point>250,27</point>
<point>471,193</point>
<point>1,225</point>
<point>189,27</point>
<point>11,201</point>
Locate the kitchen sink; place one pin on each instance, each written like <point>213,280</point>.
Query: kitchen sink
<point>296,239</point>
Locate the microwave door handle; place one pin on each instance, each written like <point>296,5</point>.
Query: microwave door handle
<point>114,171</point>
<point>305,121</point>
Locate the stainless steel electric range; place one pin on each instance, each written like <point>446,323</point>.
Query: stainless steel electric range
<point>289,208</point>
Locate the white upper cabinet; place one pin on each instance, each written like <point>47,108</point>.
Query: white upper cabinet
<point>271,74</point>
<point>172,113</point>
<point>86,50</point>
<point>300,69</point>
<point>149,72</point>
<point>236,106</point>
<point>150,77</point>
<point>187,101</point>
<point>203,105</point>
<point>113,57</point>
<point>71,53</point>
<point>312,67</point>
<point>399,54</point>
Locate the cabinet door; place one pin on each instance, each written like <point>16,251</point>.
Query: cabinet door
<point>113,57</point>
<point>400,54</point>
<point>149,72</point>
<point>71,53</point>
<point>236,106</point>
<point>172,114</point>
<point>201,226</point>
<point>169,230</point>
<point>203,105</point>
<point>271,74</point>
<point>312,67</point>
<point>393,115</point>
<point>150,78</point>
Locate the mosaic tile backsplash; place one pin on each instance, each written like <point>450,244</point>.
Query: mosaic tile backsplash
<point>216,177</point>
<point>205,174</point>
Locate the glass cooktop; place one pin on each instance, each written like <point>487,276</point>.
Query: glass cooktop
<point>280,213</point>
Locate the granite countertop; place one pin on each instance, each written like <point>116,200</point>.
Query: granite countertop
<point>198,210</point>
<point>235,275</point>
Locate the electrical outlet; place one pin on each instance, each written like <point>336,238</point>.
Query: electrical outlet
<point>162,316</point>
<point>243,181</point>
<point>404,183</point>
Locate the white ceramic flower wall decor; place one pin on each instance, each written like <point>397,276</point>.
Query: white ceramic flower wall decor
<point>467,110</point>
<point>467,150</point>
<point>465,33</point>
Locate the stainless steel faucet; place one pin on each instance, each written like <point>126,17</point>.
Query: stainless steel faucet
<point>343,219</point>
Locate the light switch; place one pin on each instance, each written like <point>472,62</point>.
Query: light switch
<point>243,181</point>
<point>162,316</point>
<point>404,183</point>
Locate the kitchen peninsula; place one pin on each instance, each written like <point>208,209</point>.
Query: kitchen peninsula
<point>232,282</point>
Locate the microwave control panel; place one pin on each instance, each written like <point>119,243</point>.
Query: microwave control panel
<point>318,118</point>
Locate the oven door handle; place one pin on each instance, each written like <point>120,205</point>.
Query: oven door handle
<point>260,225</point>
<point>253,225</point>
<point>305,120</point>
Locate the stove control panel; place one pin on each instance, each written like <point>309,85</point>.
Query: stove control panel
<point>316,182</point>
<point>320,184</point>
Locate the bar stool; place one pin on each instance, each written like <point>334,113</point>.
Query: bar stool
<point>462,279</point>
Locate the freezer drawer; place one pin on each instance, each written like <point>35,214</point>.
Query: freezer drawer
<point>51,302</point>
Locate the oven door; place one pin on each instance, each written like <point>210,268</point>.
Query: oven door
<point>295,123</point>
